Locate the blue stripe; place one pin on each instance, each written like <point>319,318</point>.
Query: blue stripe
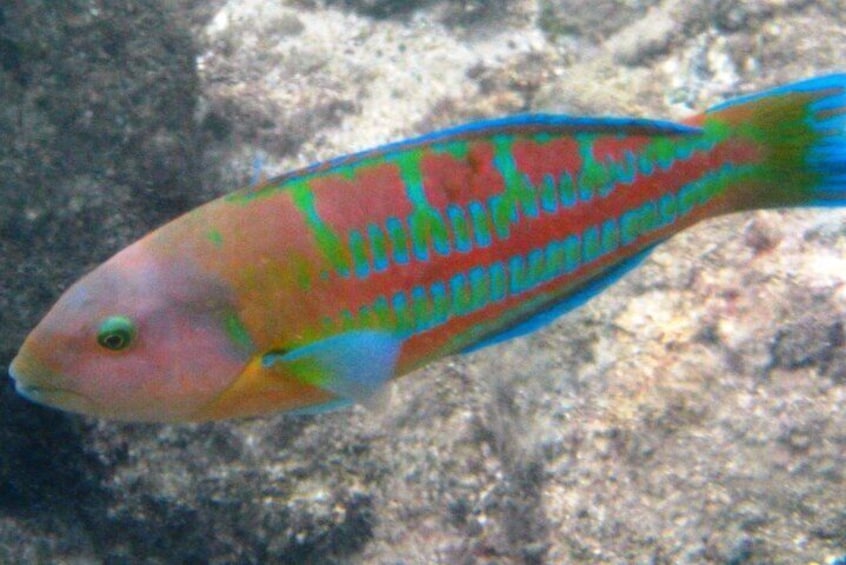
<point>399,240</point>
<point>460,229</point>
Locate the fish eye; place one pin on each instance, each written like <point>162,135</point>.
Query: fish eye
<point>116,333</point>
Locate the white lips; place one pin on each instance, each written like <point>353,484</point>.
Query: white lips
<point>37,393</point>
<point>28,391</point>
<point>15,376</point>
<point>32,393</point>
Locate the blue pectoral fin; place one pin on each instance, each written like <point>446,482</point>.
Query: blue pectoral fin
<point>353,366</point>
<point>572,301</point>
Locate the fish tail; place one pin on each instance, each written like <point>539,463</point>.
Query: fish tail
<point>798,135</point>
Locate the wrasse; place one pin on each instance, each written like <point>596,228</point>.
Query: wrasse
<point>317,287</point>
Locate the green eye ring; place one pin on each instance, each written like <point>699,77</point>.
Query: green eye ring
<point>116,333</point>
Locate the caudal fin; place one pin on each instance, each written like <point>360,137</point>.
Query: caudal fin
<point>800,129</point>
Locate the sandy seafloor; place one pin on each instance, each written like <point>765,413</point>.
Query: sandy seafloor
<point>695,413</point>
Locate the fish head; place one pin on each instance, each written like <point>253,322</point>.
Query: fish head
<point>141,338</point>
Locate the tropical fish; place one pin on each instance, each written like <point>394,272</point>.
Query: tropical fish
<point>315,288</point>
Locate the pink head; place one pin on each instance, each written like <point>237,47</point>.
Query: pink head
<point>142,337</point>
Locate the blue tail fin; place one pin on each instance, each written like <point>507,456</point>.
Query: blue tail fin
<point>802,129</point>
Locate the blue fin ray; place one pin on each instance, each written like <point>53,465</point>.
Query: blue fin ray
<point>353,365</point>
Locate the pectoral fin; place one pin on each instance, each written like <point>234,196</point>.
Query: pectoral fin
<point>353,365</point>
<point>321,376</point>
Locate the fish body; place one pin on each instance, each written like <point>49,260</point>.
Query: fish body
<point>315,288</point>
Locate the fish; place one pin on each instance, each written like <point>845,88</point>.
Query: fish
<point>312,290</point>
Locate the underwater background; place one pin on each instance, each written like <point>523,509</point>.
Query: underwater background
<point>694,413</point>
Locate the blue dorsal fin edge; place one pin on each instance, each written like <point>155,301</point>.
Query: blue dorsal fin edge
<point>556,124</point>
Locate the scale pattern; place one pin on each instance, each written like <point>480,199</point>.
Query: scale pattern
<point>452,239</point>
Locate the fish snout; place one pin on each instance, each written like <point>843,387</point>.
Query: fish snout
<point>21,376</point>
<point>34,382</point>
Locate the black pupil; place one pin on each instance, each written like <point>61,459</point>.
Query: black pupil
<point>114,340</point>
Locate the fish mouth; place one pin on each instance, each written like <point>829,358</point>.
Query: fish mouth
<point>50,396</point>
<point>46,394</point>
